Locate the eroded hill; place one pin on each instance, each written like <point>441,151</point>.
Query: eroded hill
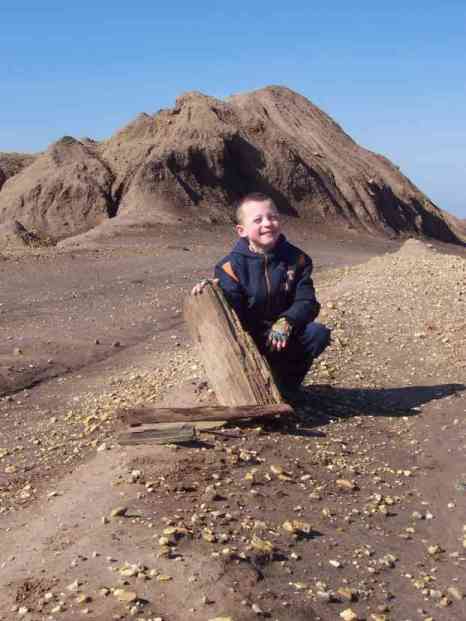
<point>195,159</point>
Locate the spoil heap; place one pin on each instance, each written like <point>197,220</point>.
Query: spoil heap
<point>194,160</point>
<point>398,319</point>
<point>13,163</point>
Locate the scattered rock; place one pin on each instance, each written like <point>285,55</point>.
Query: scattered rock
<point>125,596</point>
<point>349,615</point>
<point>119,512</point>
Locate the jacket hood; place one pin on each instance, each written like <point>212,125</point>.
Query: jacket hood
<point>242,247</point>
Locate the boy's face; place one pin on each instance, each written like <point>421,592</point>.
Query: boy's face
<point>260,224</point>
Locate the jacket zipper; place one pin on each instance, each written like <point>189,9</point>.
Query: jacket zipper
<point>267,283</point>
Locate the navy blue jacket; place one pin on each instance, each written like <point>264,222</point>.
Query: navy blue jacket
<point>263,287</point>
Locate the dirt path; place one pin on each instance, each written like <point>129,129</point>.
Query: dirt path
<point>359,504</point>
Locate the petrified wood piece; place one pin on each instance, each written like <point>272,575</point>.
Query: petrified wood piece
<point>237,371</point>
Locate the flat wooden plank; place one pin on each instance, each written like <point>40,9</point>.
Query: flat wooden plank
<point>237,371</point>
<point>148,415</point>
<point>170,435</point>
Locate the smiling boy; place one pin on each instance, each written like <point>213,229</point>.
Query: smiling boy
<point>268,282</point>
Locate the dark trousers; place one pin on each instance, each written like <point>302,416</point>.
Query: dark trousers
<point>290,365</point>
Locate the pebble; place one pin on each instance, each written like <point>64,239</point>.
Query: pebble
<point>347,594</point>
<point>74,586</point>
<point>335,563</point>
<point>456,593</point>
<point>257,609</point>
<point>346,484</point>
<point>119,512</point>
<point>125,596</point>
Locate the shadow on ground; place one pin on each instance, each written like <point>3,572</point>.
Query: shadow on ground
<point>320,404</point>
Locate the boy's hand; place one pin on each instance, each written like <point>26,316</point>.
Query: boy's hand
<point>279,334</point>
<point>197,289</point>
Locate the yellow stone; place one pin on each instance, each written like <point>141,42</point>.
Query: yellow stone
<point>128,570</point>
<point>119,511</point>
<point>281,474</point>
<point>262,545</point>
<point>346,484</point>
<point>435,549</point>
<point>209,536</point>
<point>297,526</point>
<point>83,598</point>
<point>125,596</point>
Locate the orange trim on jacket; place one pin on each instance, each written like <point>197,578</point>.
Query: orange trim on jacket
<point>226,267</point>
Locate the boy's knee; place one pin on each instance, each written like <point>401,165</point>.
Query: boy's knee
<point>316,337</point>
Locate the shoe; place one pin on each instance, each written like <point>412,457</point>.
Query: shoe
<point>294,395</point>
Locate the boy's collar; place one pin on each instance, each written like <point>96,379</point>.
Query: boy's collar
<point>243,247</point>
<point>262,251</point>
<point>256,250</point>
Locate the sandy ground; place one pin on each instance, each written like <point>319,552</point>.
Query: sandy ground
<point>356,507</point>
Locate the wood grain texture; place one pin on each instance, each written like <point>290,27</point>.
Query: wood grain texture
<point>170,435</point>
<point>148,415</point>
<point>237,371</point>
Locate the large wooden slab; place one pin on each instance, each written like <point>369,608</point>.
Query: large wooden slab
<point>237,372</point>
<point>149,415</point>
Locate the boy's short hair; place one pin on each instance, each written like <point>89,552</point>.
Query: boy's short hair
<point>257,197</point>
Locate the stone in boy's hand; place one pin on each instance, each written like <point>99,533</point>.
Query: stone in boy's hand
<point>279,334</point>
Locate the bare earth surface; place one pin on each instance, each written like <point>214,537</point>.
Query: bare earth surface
<point>356,509</point>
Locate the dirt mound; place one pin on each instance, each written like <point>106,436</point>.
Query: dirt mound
<point>458,225</point>
<point>415,248</point>
<point>204,153</point>
<point>13,163</point>
<point>196,159</point>
<point>14,236</point>
<point>402,315</point>
<point>65,190</point>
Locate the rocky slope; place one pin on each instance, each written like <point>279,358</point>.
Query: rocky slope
<point>66,190</point>
<point>14,236</point>
<point>458,225</point>
<point>13,163</point>
<point>195,159</point>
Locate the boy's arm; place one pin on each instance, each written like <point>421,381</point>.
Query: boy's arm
<point>305,306</point>
<point>231,287</point>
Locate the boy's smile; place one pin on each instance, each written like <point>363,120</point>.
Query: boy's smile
<point>260,223</point>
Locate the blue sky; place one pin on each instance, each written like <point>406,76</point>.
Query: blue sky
<point>392,74</point>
